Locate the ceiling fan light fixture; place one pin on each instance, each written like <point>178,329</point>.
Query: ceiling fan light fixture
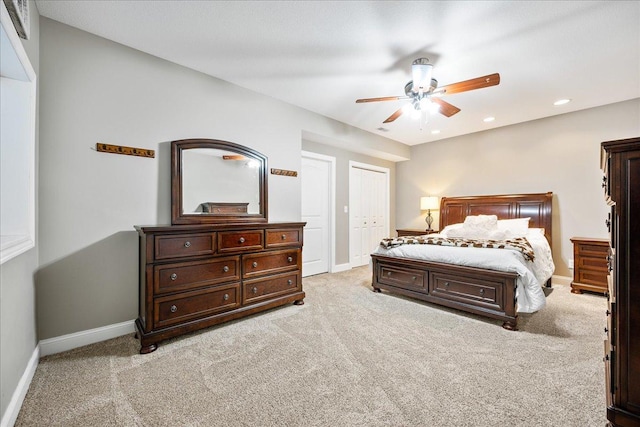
<point>421,71</point>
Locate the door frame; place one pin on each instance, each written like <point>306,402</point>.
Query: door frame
<point>387,207</point>
<point>332,203</point>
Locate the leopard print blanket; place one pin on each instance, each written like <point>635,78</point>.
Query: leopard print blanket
<point>519,244</point>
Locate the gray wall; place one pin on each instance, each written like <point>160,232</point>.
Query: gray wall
<point>342,190</point>
<point>559,154</point>
<point>95,90</point>
<point>17,294</point>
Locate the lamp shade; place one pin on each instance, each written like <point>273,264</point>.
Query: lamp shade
<point>429,203</point>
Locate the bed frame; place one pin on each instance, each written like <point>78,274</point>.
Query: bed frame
<point>485,292</point>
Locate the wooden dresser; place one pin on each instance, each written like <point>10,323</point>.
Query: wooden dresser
<point>590,265</point>
<point>195,276</point>
<point>621,166</point>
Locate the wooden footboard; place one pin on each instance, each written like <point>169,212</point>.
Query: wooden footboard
<point>487,293</point>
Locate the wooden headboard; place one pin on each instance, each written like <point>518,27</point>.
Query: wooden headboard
<point>535,206</point>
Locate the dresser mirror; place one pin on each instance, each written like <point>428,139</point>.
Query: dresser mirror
<point>215,181</point>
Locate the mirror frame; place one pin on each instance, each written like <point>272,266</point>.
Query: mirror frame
<point>179,217</point>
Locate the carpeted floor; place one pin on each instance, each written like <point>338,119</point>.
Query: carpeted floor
<point>348,357</point>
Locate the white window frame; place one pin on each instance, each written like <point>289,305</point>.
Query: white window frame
<point>15,65</point>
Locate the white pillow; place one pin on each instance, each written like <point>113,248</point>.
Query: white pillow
<point>485,222</point>
<point>445,231</point>
<point>517,227</point>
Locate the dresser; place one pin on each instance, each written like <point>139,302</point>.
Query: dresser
<point>196,276</point>
<point>620,161</point>
<point>590,265</point>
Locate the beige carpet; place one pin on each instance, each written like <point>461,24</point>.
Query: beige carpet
<point>348,357</point>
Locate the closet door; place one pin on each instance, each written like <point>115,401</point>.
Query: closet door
<point>368,195</point>
<point>316,174</point>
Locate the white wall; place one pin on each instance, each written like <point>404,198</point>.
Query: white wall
<point>17,291</point>
<point>559,154</point>
<point>95,90</point>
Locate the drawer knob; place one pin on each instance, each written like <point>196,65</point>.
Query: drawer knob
<point>481,291</point>
<point>187,244</point>
<point>254,290</point>
<point>173,308</point>
<point>241,240</point>
<point>446,284</point>
<point>414,278</point>
<point>607,223</point>
<point>174,276</point>
<point>388,273</point>
<point>289,259</point>
<point>608,312</point>
<point>604,181</point>
<point>255,264</point>
<point>225,268</point>
<point>606,330</point>
<point>284,237</point>
<point>225,297</point>
<point>289,282</point>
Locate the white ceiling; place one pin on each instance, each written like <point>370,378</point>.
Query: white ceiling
<point>323,55</point>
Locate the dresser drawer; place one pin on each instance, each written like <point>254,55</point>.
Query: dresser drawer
<point>403,277</point>
<point>260,289</point>
<point>270,262</point>
<point>170,310</point>
<point>190,275</point>
<point>238,241</point>
<point>184,245</point>
<point>482,293</point>
<point>284,237</point>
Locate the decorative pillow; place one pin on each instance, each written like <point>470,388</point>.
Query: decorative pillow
<point>485,222</point>
<point>517,227</point>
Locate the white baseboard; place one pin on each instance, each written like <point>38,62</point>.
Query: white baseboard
<point>341,267</point>
<point>79,339</point>
<point>561,280</point>
<point>13,409</point>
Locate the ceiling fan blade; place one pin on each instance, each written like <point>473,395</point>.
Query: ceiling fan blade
<point>446,109</point>
<point>477,83</point>
<point>384,98</point>
<point>394,116</point>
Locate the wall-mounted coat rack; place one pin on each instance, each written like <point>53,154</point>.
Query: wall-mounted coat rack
<point>120,149</point>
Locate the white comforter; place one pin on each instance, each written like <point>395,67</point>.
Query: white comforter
<point>532,275</point>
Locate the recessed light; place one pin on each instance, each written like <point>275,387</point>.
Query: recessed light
<point>435,132</point>
<point>488,119</point>
<point>562,101</point>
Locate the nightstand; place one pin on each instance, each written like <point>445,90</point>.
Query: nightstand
<point>590,265</point>
<point>407,232</point>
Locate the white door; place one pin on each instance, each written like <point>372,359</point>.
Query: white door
<point>317,195</point>
<point>368,199</point>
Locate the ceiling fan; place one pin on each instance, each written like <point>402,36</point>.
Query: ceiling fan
<point>424,93</point>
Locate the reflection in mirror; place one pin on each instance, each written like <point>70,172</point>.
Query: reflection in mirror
<point>215,181</point>
<point>219,182</point>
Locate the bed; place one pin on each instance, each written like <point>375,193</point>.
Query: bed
<point>483,289</point>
